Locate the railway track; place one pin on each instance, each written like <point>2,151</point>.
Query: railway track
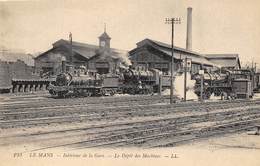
<point>212,131</point>
<point>9,112</point>
<point>154,127</point>
<point>82,102</point>
<point>98,114</point>
<point>56,111</point>
<point>140,135</point>
<point>155,134</point>
<point>187,119</point>
<point>117,122</point>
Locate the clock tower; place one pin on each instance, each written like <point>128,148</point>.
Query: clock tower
<point>104,40</point>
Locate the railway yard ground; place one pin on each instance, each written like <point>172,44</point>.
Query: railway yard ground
<point>36,122</point>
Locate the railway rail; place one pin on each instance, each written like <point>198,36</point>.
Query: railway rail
<point>119,104</point>
<point>49,103</point>
<point>21,118</point>
<point>145,121</point>
<point>157,127</point>
<point>140,135</point>
<point>96,109</point>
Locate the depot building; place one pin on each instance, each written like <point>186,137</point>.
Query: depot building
<point>154,54</point>
<point>97,58</point>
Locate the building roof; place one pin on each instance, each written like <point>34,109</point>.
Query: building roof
<point>212,56</point>
<point>224,60</point>
<point>14,55</point>
<point>166,48</point>
<point>86,50</point>
<point>83,49</point>
<point>105,36</point>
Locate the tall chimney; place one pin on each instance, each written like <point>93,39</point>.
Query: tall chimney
<point>189,29</point>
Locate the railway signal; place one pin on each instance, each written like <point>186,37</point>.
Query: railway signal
<point>172,21</point>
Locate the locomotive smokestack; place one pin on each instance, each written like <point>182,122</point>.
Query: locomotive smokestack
<point>189,29</point>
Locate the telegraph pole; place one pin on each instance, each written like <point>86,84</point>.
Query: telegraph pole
<point>172,21</point>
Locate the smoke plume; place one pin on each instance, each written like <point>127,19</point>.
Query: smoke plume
<point>179,87</point>
<point>123,56</point>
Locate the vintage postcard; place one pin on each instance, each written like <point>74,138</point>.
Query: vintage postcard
<point>129,82</point>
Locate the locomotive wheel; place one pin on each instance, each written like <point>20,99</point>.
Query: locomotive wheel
<point>76,93</point>
<point>52,92</point>
<point>130,91</point>
<point>141,91</point>
<point>146,91</point>
<point>233,96</point>
<point>217,92</point>
<point>62,94</point>
<point>207,95</point>
<point>224,96</point>
<point>102,92</point>
<point>89,94</point>
<point>150,91</point>
<point>84,93</point>
<point>112,93</point>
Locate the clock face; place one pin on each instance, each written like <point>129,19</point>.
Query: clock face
<point>102,43</point>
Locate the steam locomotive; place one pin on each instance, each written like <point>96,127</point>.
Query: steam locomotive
<point>80,82</point>
<point>76,82</point>
<point>138,81</point>
<point>226,83</point>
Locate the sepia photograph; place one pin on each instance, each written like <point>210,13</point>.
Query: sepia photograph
<point>129,82</point>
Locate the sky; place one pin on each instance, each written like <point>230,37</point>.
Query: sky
<point>219,26</point>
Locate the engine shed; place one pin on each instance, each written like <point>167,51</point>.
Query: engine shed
<point>97,58</point>
<point>226,61</point>
<point>154,54</point>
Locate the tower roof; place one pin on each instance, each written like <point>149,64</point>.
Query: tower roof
<point>105,36</point>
